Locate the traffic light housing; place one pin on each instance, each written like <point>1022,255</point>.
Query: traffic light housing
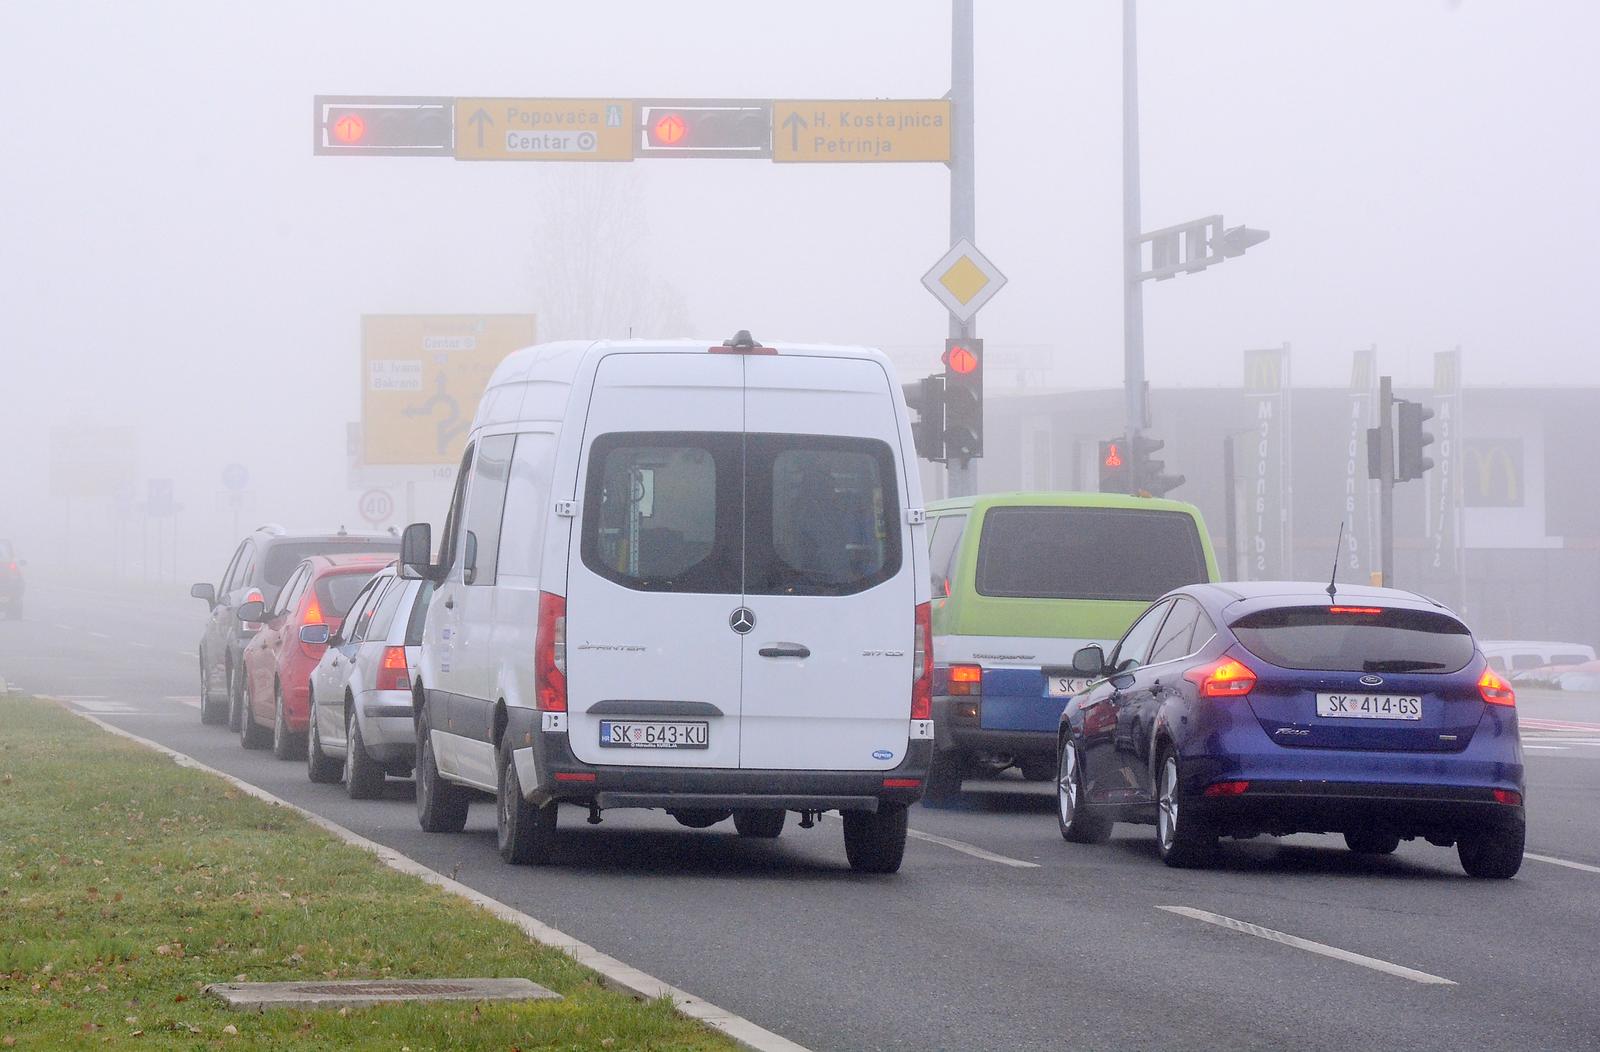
<point>1410,440</point>
<point>1114,466</point>
<point>698,129</point>
<point>963,399</point>
<point>1148,475</point>
<point>925,398</point>
<point>391,126</point>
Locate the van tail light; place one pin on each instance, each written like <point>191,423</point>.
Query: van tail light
<point>393,672</point>
<point>550,654</point>
<point>922,665</point>
<point>254,596</point>
<point>1227,678</point>
<point>966,680</point>
<point>1496,691</point>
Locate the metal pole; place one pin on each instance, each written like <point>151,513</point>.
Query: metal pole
<point>1230,485</point>
<point>1386,476</point>
<point>1132,287</point>
<point>963,204</point>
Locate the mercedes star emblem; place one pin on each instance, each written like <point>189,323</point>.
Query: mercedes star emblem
<point>742,620</point>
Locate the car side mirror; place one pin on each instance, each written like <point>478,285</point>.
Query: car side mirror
<point>253,611</point>
<point>469,558</point>
<point>416,552</point>
<point>314,634</point>
<point>1089,661</point>
<point>204,591</point>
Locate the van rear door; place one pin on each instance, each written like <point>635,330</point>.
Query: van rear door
<point>653,666</point>
<point>829,569</point>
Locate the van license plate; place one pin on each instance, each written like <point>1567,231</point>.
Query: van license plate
<point>1065,686</point>
<point>654,734</point>
<point>1370,706</point>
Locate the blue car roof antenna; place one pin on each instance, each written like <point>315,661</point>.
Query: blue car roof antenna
<point>1333,578</point>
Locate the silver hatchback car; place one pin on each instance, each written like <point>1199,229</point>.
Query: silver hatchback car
<point>361,725</point>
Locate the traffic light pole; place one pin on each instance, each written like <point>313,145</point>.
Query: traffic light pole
<point>963,206</point>
<point>1386,476</point>
<point>1132,282</point>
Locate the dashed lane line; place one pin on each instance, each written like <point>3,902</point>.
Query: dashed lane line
<point>1349,957</point>
<point>1584,866</point>
<point>970,849</point>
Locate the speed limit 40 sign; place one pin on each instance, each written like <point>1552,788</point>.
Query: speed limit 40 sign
<point>376,506</point>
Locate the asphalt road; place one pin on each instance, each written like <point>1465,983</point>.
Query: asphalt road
<point>996,934</point>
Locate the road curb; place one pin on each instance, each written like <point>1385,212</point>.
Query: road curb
<point>617,974</point>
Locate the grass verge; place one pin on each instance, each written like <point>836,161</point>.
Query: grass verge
<point>127,883</point>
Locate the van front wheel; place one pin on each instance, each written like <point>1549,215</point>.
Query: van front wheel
<point>875,841</point>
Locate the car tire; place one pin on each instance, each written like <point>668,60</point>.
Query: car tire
<point>1078,822</point>
<point>1182,841</point>
<point>1372,842</point>
<point>212,711</point>
<point>1492,854</point>
<point>762,824</point>
<point>286,745</point>
<point>251,736</point>
<point>875,841</point>
<point>441,805</point>
<point>363,776</point>
<point>942,787</point>
<point>524,832</point>
<point>320,767</point>
<point>235,679</point>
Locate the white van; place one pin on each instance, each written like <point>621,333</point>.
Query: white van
<point>686,577</point>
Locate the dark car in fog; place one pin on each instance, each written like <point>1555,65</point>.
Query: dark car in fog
<point>11,586</point>
<point>1272,708</point>
<point>260,566</point>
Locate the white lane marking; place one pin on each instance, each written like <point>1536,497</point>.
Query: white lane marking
<point>142,646</point>
<point>184,699</point>
<point>1548,748</point>
<point>184,653</point>
<point>617,973</point>
<point>1246,928</point>
<point>62,628</point>
<point>79,697</point>
<point>97,635</point>
<point>1562,862</point>
<point>969,849</point>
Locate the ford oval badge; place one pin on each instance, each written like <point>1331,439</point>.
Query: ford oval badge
<point>883,754</point>
<point>1372,681</point>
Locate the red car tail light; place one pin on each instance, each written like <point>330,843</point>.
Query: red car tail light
<point>253,596</point>
<point>966,680</point>
<point>922,664</point>
<point>1226,789</point>
<point>550,654</point>
<point>1510,797</point>
<point>393,672</point>
<point>1495,690</point>
<point>902,783</point>
<point>1227,678</point>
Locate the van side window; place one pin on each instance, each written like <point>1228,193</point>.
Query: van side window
<point>486,502</point>
<point>942,552</point>
<point>527,505</point>
<point>448,546</point>
<point>662,511</point>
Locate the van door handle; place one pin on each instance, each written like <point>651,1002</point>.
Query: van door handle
<point>449,602</point>
<point>794,650</point>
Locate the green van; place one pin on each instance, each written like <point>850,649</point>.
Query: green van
<point>1020,581</point>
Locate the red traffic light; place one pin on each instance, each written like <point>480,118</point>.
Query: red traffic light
<point>959,359</point>
<point>349,128</point>
<point>669,129</point>
<point>1113,456</point>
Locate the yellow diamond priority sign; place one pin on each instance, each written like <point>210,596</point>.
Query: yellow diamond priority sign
<point>963,280</point>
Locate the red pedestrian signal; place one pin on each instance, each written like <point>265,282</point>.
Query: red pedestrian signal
<point>1113,457</point>
<point>349,128</point>
<point>960,359</point>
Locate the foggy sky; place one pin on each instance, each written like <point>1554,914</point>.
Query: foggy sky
<point>175,257</point>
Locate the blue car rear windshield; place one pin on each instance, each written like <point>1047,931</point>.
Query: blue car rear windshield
<point>1087,553</point>
<point>1392,640</point>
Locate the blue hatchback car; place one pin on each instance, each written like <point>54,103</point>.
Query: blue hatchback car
<point>1272,707</point>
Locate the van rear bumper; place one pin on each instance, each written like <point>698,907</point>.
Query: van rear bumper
<point>559,775</point>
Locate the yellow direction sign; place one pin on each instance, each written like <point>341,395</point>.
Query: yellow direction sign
<point>544,130</point>
<point>861,130</point>
<point>422,376</point>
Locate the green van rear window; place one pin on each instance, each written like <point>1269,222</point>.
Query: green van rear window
<point>1087,553</point>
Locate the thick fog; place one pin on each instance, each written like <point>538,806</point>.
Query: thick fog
<point>176,260</point>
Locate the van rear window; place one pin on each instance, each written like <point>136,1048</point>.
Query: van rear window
<point>759,514</point>
<point>1392,640</point>
<point>1087,553</point>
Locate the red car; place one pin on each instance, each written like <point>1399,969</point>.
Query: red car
<point>278,660</point>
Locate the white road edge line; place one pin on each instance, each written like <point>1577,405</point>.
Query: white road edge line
<point>622,976</point>
<point>968,849</point>
<point>1562,862</point>
<point>1246,928</point>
